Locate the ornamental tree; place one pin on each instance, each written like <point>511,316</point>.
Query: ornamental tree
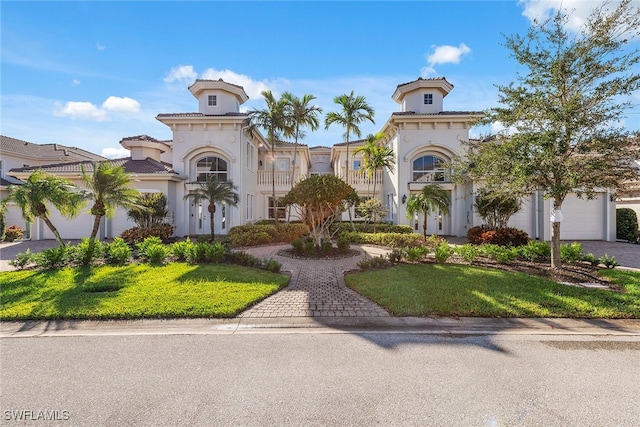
<point>562,114</point>
<point>319,200</point>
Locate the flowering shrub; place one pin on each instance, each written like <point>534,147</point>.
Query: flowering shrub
<point>137,234</point>
<point>501,236</point>
<point>13,233</point>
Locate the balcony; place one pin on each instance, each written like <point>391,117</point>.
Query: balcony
<point>282,178</point>
<point>360,179</point>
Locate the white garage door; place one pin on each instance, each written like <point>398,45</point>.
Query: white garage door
<point>75,228</point>
<point>583,219</point>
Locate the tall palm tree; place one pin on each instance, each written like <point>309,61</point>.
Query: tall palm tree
<point>275,121</point>
<point>354,111</point>
<point>376,156</point>
<point>301,114</point>
<point>213,190</point>
<point>431,198</point>
<point>109,186</point>
<point>41,189</point>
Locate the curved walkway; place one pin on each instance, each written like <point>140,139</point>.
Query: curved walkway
<point>316,289</point>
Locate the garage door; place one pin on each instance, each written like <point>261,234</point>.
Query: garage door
<point>583,219</point>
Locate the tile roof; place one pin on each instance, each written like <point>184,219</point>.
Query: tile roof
<point>233,114</point>
<point>147,166</point>
<point>9,181</point>
<point>351,143</point>
<point>441,113</point>
<point>420,78</point>
<point>17,146</point>
<point>219,80</point>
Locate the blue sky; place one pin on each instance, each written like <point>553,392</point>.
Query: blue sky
<point>88,74</point>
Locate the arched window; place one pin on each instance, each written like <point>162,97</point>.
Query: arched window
<point>429,169</point>
<point>211,166</point>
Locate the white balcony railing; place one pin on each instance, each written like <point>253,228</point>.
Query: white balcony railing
<point>362,178</point>
<point>279,177</point>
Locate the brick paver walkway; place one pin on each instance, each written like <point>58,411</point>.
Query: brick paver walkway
<point>316,289</point>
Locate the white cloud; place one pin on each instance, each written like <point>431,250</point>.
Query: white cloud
<point>75,82</point>
<point>100,46</point>
<point>89,111</point>
<point>181,73</point>
<point>444,54</point>
<point>80,110</point>
<point>121,105</point>
<point>115,152</point>
<point>252,87</point>
<point>579,10</point>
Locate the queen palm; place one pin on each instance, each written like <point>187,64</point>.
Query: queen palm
<point>212,190</point>
<point>432,198</point>
<point>275,121</point>
<point>109,186</point>
<point>376,156</point>
<point>41,189</point>
<point>354,111</point>
<point>301,114</point>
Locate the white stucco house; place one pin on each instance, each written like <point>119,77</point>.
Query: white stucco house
<point>214,141</point>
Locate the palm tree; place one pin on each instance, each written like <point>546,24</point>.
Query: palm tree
<point>431,198</point>
<point>275,121</point>
<point>109,186</point>
<point>355,110</point>
<point>376,156</point>
<point>301,114</point>
<point>213,190</point>
<point>41,189</point>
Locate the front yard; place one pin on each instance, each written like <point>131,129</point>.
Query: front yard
<point>463,290</point>
<point>135,291</point>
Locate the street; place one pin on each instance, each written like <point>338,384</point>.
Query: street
<point>320,378</point>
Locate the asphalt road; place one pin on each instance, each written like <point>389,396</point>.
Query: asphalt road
<point>272,378</point>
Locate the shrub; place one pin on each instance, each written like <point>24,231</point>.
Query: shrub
<point>147,243</point>
<point>392,240</point>
<point>468,252</point>
<point>136,235</point>
<point>626,224</point>
<point>534,250</point>
<point>272,265</point>
<point>86,252</point>
<point>416,253</point>
<point>2,223</point>
<point>243,258</point>
<point>23,260</point>
<point>495,208</point>
<point>343,244</point>
<point>252,235</point>
<point>157,254</point>
<point>591,259</point>
<point>501,254</point>
<point>571,252</point>
<point>443,252</point>
<point>13,233</point>
<point>501,236</point>
<point>381,227</point>
<point>396,255</point>
<point>53,258</point>
<point>181,249</point>
<point>117,252</point>
<point>291,231</point>
<point>309,247</point>
<point>298,246</point>
<point>206,252</point>
<point>609,261</point>
<point>373,263</point>
<point>326,247</point>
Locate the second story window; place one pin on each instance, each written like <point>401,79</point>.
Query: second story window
<point>428,98</point>
<point>429,169</point>
<point>212,100</point>
<point>211,166</point>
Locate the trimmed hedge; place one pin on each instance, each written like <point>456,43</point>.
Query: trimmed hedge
<point>392,240</point>
<point>626,224</point>
<point>136,235</point>
<point>344,227</point>
<point>264,233</point>
<point>501,236</point>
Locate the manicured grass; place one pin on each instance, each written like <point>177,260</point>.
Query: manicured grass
<point>462,290</point>
<point>135,291</point>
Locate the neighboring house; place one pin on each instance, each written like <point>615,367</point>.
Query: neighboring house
<point>214,141</point>
<point>17,154</point>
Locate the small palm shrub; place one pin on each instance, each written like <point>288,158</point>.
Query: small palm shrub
<point>157,254</point>
<point>86,252</point>
<point>571,253</point>
<point>13,233</point>
<point>180,250</point>
<point>609,261</point>
<point>243,258</point>
<point>23,260</point>
<point>53,258</point>
<point>373,263</point>
<point>117,252</point>
<point>443,252</point>
<point>467,252</point>
<point>147,243</point>
<point>500,254</point>
<point>206,253</point>
<point>534,250</point>
<point>591,259</point>
<point>416,253</point>
<point>272,265</point>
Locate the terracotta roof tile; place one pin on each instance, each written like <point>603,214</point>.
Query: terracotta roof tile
<point>147,166</point>
<point>17,146</point>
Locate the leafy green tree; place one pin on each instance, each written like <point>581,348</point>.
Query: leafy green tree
<point>301,114</point>
<point>496,208</point>
<point>355,110</point>
<point>376,156</point>
<point>109,186</point>
<point>561,116</point>
<point>213,190</point>
<point>320,200</point>
<point>151,210</point>
<point>275,120</point>
<point>432,198</point>
<point>41,189</point>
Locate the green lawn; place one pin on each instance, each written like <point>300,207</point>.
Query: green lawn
<point>135,291</point>
<point>462,290</point>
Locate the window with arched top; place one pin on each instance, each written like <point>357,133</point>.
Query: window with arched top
<point>429,168</point>
<point>211,166</point>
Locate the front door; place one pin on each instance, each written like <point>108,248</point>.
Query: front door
<point>437,223</point>
<point>200,223</point>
